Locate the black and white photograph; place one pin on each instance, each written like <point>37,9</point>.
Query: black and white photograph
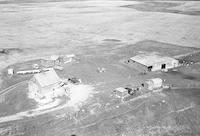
<point>99,67</point>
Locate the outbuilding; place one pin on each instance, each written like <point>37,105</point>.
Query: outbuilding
<point>120,92</point>
<point>10,71</point>
<point>154,83</point>
<point>153,62</point>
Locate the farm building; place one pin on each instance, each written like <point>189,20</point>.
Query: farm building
<point>46,85</point>
<point>57,60</point>
<point>10,71</point>
<point>153,62</point>
<point>121,92</point>
<point>154,83</point>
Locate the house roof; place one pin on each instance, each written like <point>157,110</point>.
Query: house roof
<point>47,78</point>
<point>151,59</point>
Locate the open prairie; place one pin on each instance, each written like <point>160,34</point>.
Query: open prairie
<point>34,29</point>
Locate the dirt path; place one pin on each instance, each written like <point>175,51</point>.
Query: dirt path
<point>54,105</point>
<point>30,113</point>
<point>99,121</point>
<point>67,129</point>
<point>3,92</point>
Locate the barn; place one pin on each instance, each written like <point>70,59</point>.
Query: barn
<point>153,62</point>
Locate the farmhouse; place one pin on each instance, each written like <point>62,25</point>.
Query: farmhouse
<point>153,62</point>
<point>46,85</point>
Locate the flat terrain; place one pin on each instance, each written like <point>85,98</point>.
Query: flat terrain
<point>32,28</point>
<point>102,34</point>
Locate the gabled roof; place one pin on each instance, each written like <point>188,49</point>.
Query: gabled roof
<point>151,59</point>
<point>47,78</point>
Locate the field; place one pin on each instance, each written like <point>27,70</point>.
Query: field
<point>102,34</point>
<point>56,27</point>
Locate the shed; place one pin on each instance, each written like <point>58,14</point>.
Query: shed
<point>154,83</point>
<point>10,71</point>
<point>154,62</point>
<point>121,92</point>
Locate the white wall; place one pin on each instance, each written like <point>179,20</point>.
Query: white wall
<point>169,65</point>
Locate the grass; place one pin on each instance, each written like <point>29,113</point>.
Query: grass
<point>16,101</point>
<point>104,121</point>
<point>159,6</point>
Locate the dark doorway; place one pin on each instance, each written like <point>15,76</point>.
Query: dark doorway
<point>163,66</point>
<point>150,68</point>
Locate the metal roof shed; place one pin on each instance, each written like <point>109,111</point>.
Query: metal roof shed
<point>155,62</point>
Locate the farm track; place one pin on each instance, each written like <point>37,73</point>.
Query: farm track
<point>11,87</point>
<point>99,121</point>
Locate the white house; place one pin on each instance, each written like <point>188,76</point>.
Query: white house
<point>153,62</point>
<point>46,85</point>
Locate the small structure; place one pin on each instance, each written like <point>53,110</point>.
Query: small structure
<point>57,60</point>
<point>58,67</point>
<point>35,66</point>
<point>133,90</point>
<point>50,61</point>
<point>153,62</point>
<point>10,71</point>
<point>74,80</point>
<point>154,83</point>
<point>24,72</point>
<point>120,92</point>
<point>47,63</point>
<point>101,70</point>
<point>46,85</point>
